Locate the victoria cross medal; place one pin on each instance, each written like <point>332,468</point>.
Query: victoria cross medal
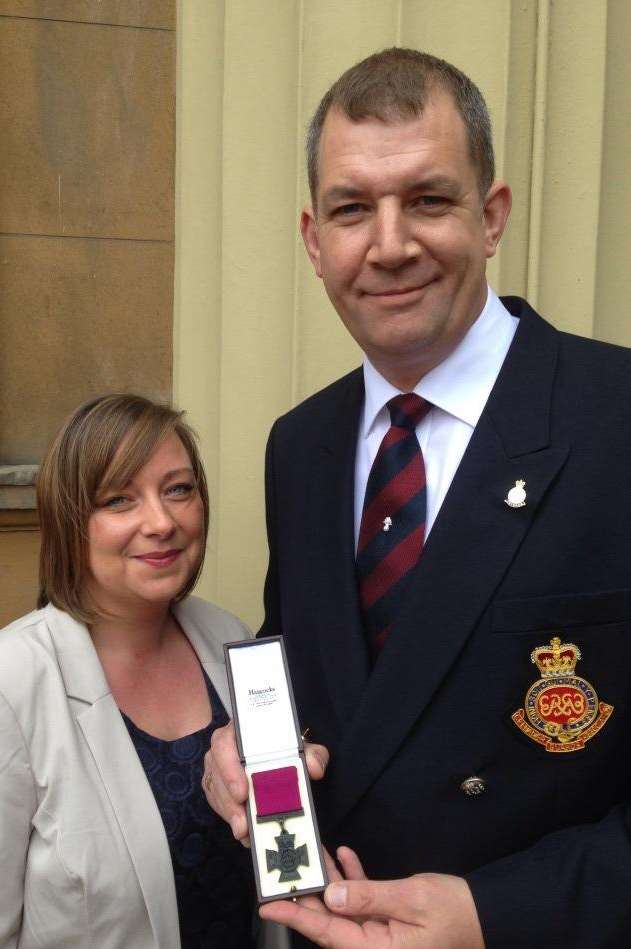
<point>287,858</point>
<point>277,797</point>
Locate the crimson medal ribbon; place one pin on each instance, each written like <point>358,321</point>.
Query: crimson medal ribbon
<point>277,794</point>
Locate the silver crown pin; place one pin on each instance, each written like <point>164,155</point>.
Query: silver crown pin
<point>516,497</point>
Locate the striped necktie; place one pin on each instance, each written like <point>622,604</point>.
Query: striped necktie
<point>392,528</point>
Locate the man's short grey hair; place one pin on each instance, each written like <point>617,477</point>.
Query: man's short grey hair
<point>394,85</point>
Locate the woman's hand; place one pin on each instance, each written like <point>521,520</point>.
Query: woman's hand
<point>225,783</point>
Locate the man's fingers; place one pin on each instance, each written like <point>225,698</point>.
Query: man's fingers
<point>350,863</point>
<point>317,758</point>
<point>321,927</point>
<point>331,867</point>
<point>312,902</point>
<point>392,899</point>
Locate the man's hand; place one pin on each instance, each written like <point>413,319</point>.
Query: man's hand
<point>225,783</point>
<point>426,911</point>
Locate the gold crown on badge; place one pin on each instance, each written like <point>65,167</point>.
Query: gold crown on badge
<point>557,659</point>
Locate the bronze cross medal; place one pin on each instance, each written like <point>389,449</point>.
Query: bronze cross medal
<point>277,797</point>
<point>287,858</point>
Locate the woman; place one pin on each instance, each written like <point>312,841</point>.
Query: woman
<point>108,696</point>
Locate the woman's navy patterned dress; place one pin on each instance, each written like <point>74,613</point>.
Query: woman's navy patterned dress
<point>213,873</point>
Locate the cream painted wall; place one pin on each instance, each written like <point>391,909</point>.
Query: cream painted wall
<point>253,331</point>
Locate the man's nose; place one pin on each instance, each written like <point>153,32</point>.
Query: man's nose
<point>393,241</point>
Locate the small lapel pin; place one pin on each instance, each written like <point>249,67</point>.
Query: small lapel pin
<point>516,497</point>
<point>387,523</point>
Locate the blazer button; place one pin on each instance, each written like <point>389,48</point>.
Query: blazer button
<point>473,786</point>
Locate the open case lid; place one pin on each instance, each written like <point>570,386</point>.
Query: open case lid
<point>262,699</point>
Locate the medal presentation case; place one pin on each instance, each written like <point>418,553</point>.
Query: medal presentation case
<point>286,849</point>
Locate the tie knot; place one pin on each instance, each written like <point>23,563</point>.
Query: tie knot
<point>407,410</point>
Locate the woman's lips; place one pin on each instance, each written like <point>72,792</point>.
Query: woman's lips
<point>159,558</point>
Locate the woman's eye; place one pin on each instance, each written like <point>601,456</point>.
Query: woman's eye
<point>182,489</point>
<point>118,500</point>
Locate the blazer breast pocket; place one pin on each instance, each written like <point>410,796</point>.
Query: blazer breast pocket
<point>572,656</point>
<point>562,611</point>
<point>569,657</point>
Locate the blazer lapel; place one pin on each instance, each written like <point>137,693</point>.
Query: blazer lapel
<point>472,543</point>
<point>128,790</point>
<point>209,651</point>
<point>340,638</point>
<point>121,772</point>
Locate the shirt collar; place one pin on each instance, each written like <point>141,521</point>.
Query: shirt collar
<point>462,383</point>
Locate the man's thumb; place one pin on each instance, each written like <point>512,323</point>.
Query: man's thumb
<point>361,898</point>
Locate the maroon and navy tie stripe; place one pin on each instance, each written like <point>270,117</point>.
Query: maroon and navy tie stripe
<point>392,528</point>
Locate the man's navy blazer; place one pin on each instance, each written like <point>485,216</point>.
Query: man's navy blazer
<point>546,847</point>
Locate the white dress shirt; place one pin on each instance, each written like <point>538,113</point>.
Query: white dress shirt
<point>458,389</point>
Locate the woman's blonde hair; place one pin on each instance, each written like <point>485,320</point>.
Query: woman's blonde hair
<point>78,463</point>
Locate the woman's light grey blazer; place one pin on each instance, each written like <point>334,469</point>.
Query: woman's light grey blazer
<point>84,856</point>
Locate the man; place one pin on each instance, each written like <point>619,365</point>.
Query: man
<point>413,593</point>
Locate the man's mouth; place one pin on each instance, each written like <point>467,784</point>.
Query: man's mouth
<point>398,293</point>
<point>395,293</point>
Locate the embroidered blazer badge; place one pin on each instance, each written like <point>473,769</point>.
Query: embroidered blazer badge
<point>561,711</point>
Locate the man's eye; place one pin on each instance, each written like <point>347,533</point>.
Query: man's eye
<point>430,201</point>
<point>348,210</point>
